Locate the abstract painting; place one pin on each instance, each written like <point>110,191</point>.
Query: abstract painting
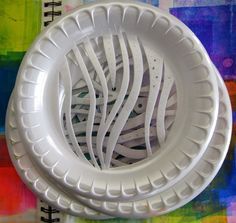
<point>214,22</point>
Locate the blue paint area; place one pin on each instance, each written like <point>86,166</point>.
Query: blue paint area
<point>9,65</point>
<point>194,3</point>
<point>215,27</point>
<point>152,2</point>
<point>2,131</point>
<point>234,116</point>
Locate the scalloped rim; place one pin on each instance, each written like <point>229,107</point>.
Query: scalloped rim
<point>144,208</point>
<point>78,184</point>
<point>35,180</point>
<point>32,176</point>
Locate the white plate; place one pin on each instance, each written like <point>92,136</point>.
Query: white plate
<point>118,102</point>
<point>184,191</point>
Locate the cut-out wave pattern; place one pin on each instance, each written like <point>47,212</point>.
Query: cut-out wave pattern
<point>119,102</point>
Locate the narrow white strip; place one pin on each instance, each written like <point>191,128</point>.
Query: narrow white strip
<point>66,78</point>
<point>160,120</point>
<point>92,107</point>
<point>130,103</point>
<point>155,74</point>
<point>97,66</point>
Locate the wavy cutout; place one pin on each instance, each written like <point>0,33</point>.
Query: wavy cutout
<point>123,101</point>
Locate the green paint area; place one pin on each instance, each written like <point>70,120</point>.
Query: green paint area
<point>187,214</point>
<point>20,23</point>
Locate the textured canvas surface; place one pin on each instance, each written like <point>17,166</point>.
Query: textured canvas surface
<point>214,22</point>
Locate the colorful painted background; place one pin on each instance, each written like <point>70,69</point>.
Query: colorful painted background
<point>214,22</point>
